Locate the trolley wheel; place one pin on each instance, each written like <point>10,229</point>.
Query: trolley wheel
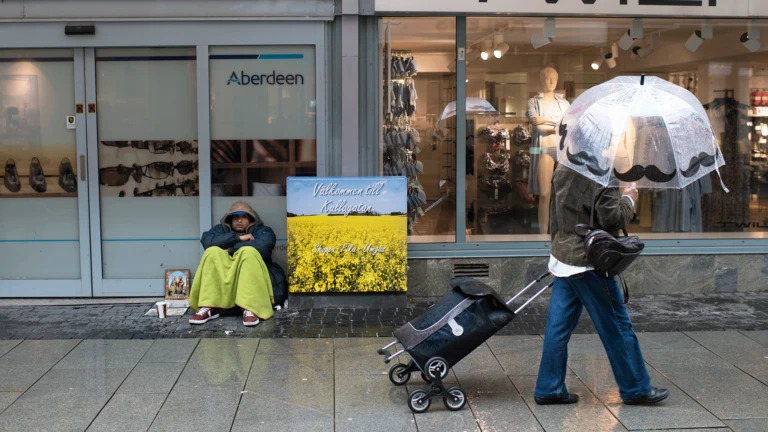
<point>398,374</point>
<point>456,400</point>
<point>437,367</point>
<point>425,378</point>
<point>417,401</point>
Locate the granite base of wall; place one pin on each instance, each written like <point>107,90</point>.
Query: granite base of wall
<point>668,274</point>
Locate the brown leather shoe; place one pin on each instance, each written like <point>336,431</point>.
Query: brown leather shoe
<point>204,315</point>
<point>249,318</point>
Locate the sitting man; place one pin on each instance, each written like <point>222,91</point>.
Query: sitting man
<point>237,269</point>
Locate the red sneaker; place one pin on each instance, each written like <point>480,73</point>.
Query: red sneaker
<point>249,318</point>
<point>204,315</point>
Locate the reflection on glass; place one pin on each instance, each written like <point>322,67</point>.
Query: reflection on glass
<point>148,161</point>
<point>262,119</point>
<point>38,155</point>
<point>418,134</point>
<point>512,156</point>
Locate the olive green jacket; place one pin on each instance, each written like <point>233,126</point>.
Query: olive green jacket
<point>572,199</point>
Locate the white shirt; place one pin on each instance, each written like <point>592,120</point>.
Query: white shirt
<point>561,269</point>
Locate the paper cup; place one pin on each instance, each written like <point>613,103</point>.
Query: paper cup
<point>162,309</point>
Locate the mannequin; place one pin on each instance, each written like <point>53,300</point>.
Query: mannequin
<point>544,111</point>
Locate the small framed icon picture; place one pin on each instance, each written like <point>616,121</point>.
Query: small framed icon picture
<point>177,284</point>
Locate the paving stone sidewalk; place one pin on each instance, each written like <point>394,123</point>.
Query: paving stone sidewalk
<point>718,382</point>
<point>733,311</point>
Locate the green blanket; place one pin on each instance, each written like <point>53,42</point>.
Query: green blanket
<point>223,281</point>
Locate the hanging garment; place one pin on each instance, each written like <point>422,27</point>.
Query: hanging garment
<point>733,207</point>
<point>679,210</point>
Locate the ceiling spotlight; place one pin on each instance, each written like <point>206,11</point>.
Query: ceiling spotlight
<point>473,54</point>
<point>550,28</point>
<point>499,47</point>
<point>615,50</point>
<point>626,41</point>
<point>706,29</point>
<point>539,41</point>
<point>694,42</point>
<point>610,60</point>
<point>500,50</point>
<point>641,51</point>
<point>636,31</point>
<point>550,31</point>
<point>753,28</point>
<point>751,44</point>
<point>596,63</point>
<point>486,54</point>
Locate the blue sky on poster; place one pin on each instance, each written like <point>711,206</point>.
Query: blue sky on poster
<point>305,196</point>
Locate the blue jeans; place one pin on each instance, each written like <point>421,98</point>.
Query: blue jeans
<point>613,325</point>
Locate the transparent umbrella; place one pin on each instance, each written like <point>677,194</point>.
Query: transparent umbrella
<point>641,130</point>
<point>474,106</point>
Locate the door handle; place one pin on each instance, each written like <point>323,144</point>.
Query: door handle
<point>82,167</point>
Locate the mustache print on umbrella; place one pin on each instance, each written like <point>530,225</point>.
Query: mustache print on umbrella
<point>697,162</point>
<point>651,172</point>
<point>584,158</point>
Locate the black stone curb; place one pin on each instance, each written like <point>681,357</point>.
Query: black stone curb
<point>704,312</point>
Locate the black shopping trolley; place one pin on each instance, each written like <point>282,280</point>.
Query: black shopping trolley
<point>469,314</point>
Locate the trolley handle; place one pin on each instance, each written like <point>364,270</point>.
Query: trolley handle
<point>534,282</point>
<point>549,285</point>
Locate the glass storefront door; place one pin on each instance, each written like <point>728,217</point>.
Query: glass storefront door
<point>44,232</point>
<point>143,145</point>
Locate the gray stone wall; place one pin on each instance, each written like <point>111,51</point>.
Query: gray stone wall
<point>655,274</point>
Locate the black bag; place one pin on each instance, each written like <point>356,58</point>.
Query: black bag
<point>609,255</point>
<point>469,314</point>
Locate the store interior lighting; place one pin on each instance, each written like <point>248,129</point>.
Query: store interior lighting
<point>706,29</point>
<point>499,47</point>
<point>550,31</point>
<point>636,30</point>
<point>642,51</point>
<point>751,39</point>
<point>598,61</point>
<point>626,41</point>
<point>615,50</point>
<point>610,61</point>
<point>486,54</point>
<point>694,42</point>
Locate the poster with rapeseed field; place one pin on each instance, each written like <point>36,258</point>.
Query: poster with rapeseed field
<point>347,234</point>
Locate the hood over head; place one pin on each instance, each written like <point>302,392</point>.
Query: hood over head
<point>241,206</point>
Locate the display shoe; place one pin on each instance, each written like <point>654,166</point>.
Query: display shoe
<point>36,176</point>
<point>12,182</point>
<point>67,179</point>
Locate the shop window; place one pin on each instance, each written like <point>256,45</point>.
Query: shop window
<point>38,192</point>
<point>263,127</point>
<point>418,125</point>
<point>510,161</point>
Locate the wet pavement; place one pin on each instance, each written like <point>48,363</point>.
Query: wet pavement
<point>652,313</point>
<point>718,382</point>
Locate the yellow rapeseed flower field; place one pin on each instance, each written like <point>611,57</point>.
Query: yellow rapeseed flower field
<point>347,254</point>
